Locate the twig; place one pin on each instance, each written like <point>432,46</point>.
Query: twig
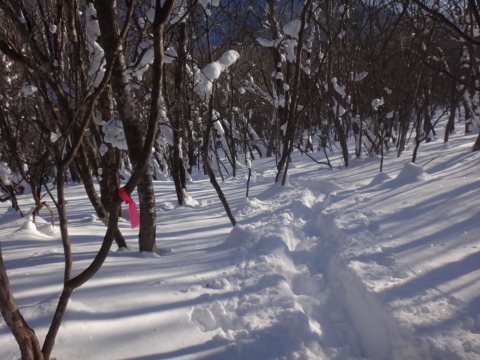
<point>430,160</point>
<point>318,162</point>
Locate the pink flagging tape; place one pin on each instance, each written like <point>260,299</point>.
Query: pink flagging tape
<point>132,207</point>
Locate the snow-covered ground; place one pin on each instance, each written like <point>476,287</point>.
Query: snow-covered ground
<point>340,264</point>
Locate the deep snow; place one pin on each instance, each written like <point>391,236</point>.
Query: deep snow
<point>338,264</point>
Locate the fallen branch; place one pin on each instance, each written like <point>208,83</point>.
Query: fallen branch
<point>430,160</point>
<point>318,162</point>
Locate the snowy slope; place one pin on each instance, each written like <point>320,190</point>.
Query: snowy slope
<point>410,257</point>
<point>338,264</point>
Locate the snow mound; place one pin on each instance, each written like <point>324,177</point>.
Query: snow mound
<point>89,219</point>
<point>48,229</point>
<point>411,173</point>
<point>204,319</point>
<point>245,203</point>
<point>127,252</point>
<point>239,236</point>
<point>43,309</point>
<point>166,206</point>
<point>250,207</point>
<point>145,255</point>
<point>304,204</point>
<point>188,200</point>
<point>321,186</point>
<point>220,284</point>
<point>380,178</point>
<point>164,251</point>
<point>309,285</point>
<point>41,230</point>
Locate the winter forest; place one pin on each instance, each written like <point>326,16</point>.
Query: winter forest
<point>240,179</point>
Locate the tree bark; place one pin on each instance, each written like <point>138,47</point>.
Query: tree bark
<point>208,166</point>
<point>130,119</point>
<point>177,161</point>
<point>97,203</point>
<point>292,114</point>
<point>476,146</point>
<point>25,336</point>
<point>281,112</point>
<point>455,101</point>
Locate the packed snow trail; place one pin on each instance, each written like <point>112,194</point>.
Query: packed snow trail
<point>339,264</point>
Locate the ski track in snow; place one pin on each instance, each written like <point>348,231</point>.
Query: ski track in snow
<point>338,264</point>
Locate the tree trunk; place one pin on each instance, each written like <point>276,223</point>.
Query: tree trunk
<point>292,114</point>
<point>342,139</point>
<point>455,101</point>
<point>148,213</point>
<point>93,196</point>
<point>177,161</point>
<point>476,146</point>
<point>403,131</point>
<point>131,125</point>
<point>208,167</point>
<point>62,215</point>
<point>11,196</point>
<point>76,177</point>
<point>109,178</point>
<point>25,336</point>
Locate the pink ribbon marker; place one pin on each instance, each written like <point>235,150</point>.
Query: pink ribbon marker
<point>132,207</point>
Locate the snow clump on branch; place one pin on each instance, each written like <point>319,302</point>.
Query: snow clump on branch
<point>376,103</point>
<point>179,10</point>
<point>96,52</point>
<point>5,173</point>
<point>292,28</point>
<point>212,71</point>
<point>114,134</point>
<point>28,90</point>
<point>147,59</point>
